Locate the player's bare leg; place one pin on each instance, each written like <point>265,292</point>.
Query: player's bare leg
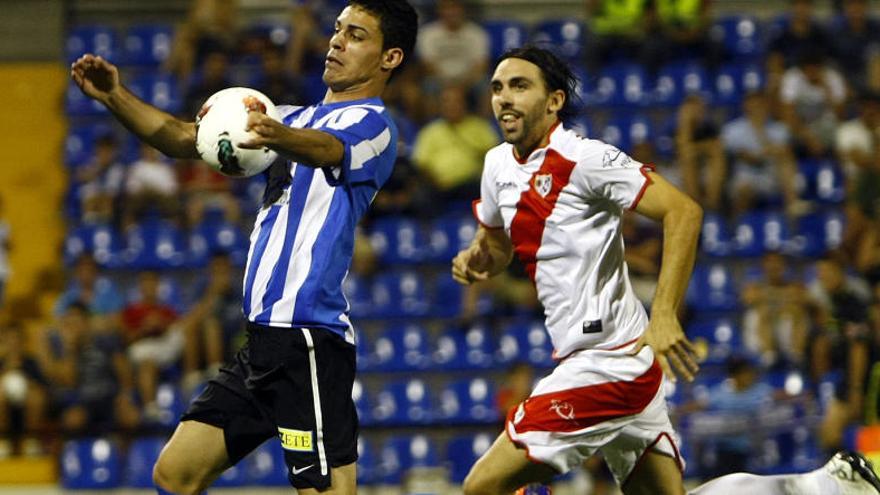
<point>192,459</point>
<point>655,474</point>
<point>503,469</point>
<point>343,482</point>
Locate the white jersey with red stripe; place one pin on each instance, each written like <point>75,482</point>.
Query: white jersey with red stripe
<point>562,208</point>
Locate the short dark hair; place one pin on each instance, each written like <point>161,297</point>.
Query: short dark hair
<point>556,73</point>
<point>398,21</point>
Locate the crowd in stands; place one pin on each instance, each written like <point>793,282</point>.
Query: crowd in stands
<point>773,125</point>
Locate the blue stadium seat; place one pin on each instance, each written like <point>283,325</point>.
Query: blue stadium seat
<point>624,85</point>
<point>733,81</point>
<point>504,35</point>
<point>77,104</point>
<point>98,40</point>
<point>628,130</point>
<point>101,240</point>
<point>564,36</point>
<point>448,296</point>
<point>159,90</point>
<point>819,233</point>
<point>232,477</point>
<point>90,464</point>
<point>714,237</point>
<point>171,406</point>
<point>400,454</point>
<point>147,44</point>
<point>525,342</point>
<point>402,348</point>
<point>142,455</point>
<point>582,125</point>
<point>449,234</point>
<point>758,232</point>
<point>211,237</point>
<point>467,401</point>
<point>170,292</point>
<point>463,451</point>
<point>362,402</point>
<point>823,181</point>
<point>722,335</point>
<point>470,348</point>
<point>397,240</point>
<point>154,245</point>
<point>367,464</point>
<point>276,31</point>
<point>79,146</point>
<point>358,292</point>
<point>676,81</point>
<point>265,465</point>
<point>741,36</point>
<point>364,350</point>
<point>400,294</point>
<point>404,403</point>
<point>713,288</point>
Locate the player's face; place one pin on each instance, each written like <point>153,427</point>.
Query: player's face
<point>355,54</point>
<point>523,107</point>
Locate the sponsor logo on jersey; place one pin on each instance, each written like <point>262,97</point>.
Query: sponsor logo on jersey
<point>543,184</point>
<point>564,409</point>
<point>296,440</point>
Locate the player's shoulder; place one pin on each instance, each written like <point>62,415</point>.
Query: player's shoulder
<point>584,151</point>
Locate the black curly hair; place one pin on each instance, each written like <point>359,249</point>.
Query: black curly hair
<point>398,21</point>
<point>556,73</point>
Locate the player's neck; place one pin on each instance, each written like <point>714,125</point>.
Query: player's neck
<point>369,89</point>
<point>523,150</point>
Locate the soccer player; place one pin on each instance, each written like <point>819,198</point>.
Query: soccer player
<point>293,378</point>
<point>555,200</point>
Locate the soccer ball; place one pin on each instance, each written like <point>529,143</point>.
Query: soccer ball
<point>220,127</point>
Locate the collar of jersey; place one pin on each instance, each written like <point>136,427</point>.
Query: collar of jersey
<point>361,101</point>
<point>548,137</point>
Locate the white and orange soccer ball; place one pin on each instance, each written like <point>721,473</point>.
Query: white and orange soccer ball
<point>220,128</point>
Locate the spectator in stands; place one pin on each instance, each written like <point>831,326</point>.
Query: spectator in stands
<point>515,387</point>
<point>684,32</point>
<point>762,158</point>
<point>101,181</point>
<point>776,319</point>
<point>842,344</point>
<point>307,45</point>
<point>868,254</point>
<point>617,32</point>
<point>213,324</point>
<point>213,77</point>
<point>813,95</point>
<point>643,243</point>
<point>856,46</point>
<point>153,342</point>
<point>799,33</point>
<point>277,81</point>
<point>22,387</point>
<point>98,293</point>
<point>857,146</point>
<point>405,193</point>
<point>211,26</point>
<point>204,189</point>
<point>699,153</point>
<point>151,186</point>
<point>450,150</point>
<point>90,377</point>
<point>5,244</point>
<point>453,49</point>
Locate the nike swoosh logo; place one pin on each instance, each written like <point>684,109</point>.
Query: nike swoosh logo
<point>296,471</point>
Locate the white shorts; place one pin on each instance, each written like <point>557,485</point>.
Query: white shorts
<point>597,400</point>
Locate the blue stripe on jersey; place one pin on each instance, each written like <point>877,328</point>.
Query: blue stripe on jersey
<point>257,257</point>
<point>299,192</point>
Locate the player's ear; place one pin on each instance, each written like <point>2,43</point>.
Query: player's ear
<point>556,101</point>
<point>392,58</point>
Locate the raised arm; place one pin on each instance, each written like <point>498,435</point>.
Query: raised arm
<point>99,79</point>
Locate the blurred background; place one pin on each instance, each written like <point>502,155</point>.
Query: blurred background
<point>120,270</point>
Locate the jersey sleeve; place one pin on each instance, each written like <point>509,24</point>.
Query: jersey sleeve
<point>605,172</point>
<point>370,147</point>
<point>486,209</point>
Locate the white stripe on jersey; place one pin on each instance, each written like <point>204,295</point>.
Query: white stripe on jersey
<point>365,150</point>
<point>314,214</point>
<point>347,116</point>
<point>272,252</point>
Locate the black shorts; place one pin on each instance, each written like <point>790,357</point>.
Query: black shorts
<point>293,383</point>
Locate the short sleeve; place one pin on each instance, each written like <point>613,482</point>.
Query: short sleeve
<point>370,146</point>
<point>603,171</point>
<point>486,209</point>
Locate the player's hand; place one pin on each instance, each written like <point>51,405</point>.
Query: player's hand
<point>96,77</point>
<point>267,132</point>
<point>472,264</point>
<point>673,350</point>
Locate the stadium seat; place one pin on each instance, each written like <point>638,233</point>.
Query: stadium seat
<point>159,90</point>
<point>822,181</point>
<point>367,467</point>
<point>101,240</point>
<point>398,241</point>
<point>450,234</point>
<point>818,233</point>
<point>623,86</point>
<point>275,31</point>
<point>210,237</point>
<point>154,245</point>
<point>77,104</point>
<point>171,405</point>
<point>232,477</point>
<point>98,40</point>
<point>448,296</point>
<point>362,403</point>
<point>404,403</point>
<point>626,131</point>
<point>90,464</point>
<point>504,35</point>
<point>463,451</point>
<point>400,454</point>
<point>714,236</point>
<point>399,294</point>
<point>582,125</point>
<point>740,36</point>
<point>364,352</point>
<point>564,36</point>
<point>735,80</point>
<point>147,44</point>
<point>525,342</point>
<point>721,335</point>
<point>468,401</point>
<point>470,348</point>
<point>265,465</point>
<point>358,292</point>
<point>713,288</point>
<point>142,455</point>
<point>758,232</point>
<point>79,146</point>
<point>170,292</point>
<point>676,81</point>
<point>402,348</point>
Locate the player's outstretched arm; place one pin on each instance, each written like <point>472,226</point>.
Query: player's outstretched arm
<point>99,79</point>
<point>488,255</point>
<point>309,147</point>
<point>681,218</point>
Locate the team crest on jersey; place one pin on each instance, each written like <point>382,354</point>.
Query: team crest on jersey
<point>563,409</point>
<point>543,184</point>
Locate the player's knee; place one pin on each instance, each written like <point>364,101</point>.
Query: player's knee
<point>172,479</point>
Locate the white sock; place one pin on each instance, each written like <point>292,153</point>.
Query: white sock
<point>817,482</point>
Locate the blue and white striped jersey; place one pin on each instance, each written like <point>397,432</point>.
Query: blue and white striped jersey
<point>302,243</point>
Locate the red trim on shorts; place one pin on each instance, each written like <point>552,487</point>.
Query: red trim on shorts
<point>648,167</point>
<point>474,204</point>
<point>520,445</point>
<point>651,446</point>
<point>579,408</point>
